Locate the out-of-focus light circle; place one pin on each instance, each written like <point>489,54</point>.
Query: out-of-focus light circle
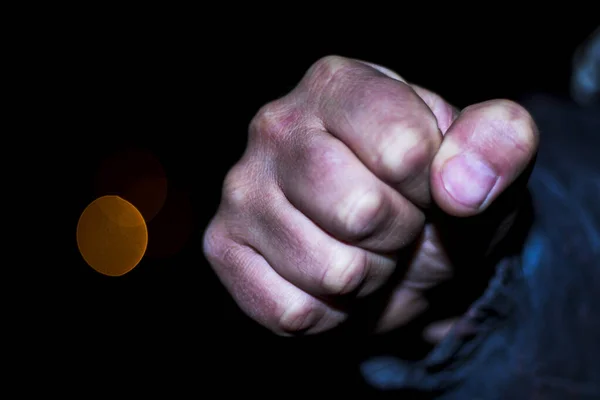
<point>137,176</point>
<point>112,235</point>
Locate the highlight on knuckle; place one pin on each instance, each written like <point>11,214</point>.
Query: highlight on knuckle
<point>297,316</point>
<point>325,70</point>
<point>360,213</point>
<point>238,188</point>
<point>211,243</point>
<point>405,151</point>
<point>220,251</point>
<point>344,273</point>
<point>273,121</point>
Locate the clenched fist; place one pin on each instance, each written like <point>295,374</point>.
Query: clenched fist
<point>344,173</point>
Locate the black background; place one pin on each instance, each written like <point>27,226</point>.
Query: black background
<point>185,87</point>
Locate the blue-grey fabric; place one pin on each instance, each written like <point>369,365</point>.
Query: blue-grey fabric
<point>585,79</point>
<point>537,327</point>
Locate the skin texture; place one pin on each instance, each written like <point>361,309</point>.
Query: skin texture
<point>350,170</point>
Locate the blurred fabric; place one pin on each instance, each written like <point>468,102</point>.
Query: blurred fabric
<point>535,333</point>
<point>585,80</point>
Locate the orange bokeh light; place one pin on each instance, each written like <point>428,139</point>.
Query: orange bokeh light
<point>112,235</point>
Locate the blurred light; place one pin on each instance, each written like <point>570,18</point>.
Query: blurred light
<point>585,78</point>
<point>137,176</point>
<point>112,236</point>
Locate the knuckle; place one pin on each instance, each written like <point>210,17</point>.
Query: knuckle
<point>298,316</point>
<point>404,151</point>
<point>211,243</point>
<point>385,71</point>
<point>250,194</point>
<point>325,70</point>
<point>273,121</point>
<point>219,250</point>
<point>444,113</point>
<point>344,273</point>
<point>522,132</point>
<point>361,213</point>
<point>238,188</point>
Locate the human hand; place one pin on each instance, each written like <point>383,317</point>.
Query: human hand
<point>342,174</point>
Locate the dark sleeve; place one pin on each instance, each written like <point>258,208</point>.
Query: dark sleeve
<point>535,331</point>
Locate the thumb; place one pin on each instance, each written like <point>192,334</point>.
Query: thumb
<point>484,152</point>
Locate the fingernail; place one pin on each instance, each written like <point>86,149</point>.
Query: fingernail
<point>468,179</point>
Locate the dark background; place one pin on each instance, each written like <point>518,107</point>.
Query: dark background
<point>186,91</point>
